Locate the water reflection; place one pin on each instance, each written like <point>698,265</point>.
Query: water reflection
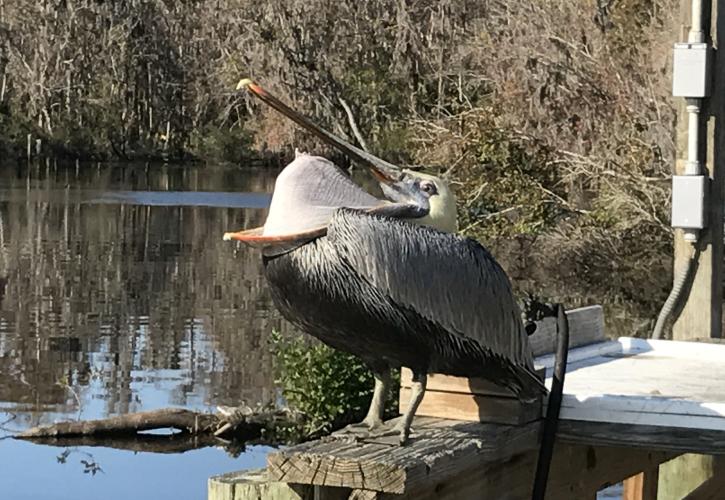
<point>117,294</point>
<point>116,298</point>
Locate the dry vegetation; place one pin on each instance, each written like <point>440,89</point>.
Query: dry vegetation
<point>553,116</point>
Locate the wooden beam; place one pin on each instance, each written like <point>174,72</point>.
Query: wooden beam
<point>472,407</point>
<point>586,326</point>
<point>684,474</point>
<point>701,315</point>
<point>448,459</point>
<point>642,486</point>
<point>712,489</point>
<point>438,448</point>
<point>577,472</point>
<point>255,484</point>
<point>643,437</point>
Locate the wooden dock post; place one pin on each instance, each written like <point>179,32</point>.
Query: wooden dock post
<point>702,312</point>
<point>643,486</point>
<point>701,315</point>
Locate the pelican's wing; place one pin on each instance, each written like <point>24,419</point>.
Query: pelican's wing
<point>446,278</point>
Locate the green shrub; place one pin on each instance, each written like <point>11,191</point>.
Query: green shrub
<point>329,388</point>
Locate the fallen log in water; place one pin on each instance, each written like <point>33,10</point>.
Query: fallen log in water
<point>195,429</point>
<point>167,418</point>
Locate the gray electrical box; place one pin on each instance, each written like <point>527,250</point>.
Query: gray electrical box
<point>688,201</point>
<point>691,70</point>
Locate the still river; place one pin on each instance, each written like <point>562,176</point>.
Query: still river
<point>117,294</point>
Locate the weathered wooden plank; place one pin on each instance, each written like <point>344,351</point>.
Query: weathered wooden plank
<point>438,448</point>
<point>646,437</point>
<point>642,486</point>
<point>448,459</point>
<point>473,407</point>
<point>712,489</point>
<point>586,326</point>
<point>583,353</point>
<point>447,383</point>
<point>441,450</point>
<point>679,477</point>
<point>576,472</point>
<point>253,485</point>
<point>646,383</point>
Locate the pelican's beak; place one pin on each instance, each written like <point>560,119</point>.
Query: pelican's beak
<point>383,176</point>
<point>255,237</point>
<point>383,171</point>
<point>243,235</point>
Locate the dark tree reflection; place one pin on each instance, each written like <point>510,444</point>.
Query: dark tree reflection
<point>120,306</point>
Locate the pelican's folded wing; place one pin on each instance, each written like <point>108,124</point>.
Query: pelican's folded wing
<point>444,277</point>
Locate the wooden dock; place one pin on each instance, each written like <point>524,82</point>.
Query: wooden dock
<point>629,405</point>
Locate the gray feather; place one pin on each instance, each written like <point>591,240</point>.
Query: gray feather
<point>398,294</point>
<point>446,278</point>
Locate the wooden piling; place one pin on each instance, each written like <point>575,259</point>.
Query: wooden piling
<point>643,486</point>
<point>701,315</point>
<point>255,484</point>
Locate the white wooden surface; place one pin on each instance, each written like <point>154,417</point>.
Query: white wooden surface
<point>645,382</point>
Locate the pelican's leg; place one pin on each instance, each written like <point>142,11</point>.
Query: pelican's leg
<point>373,421</point>
<point>381,434</point>
<point>374,417</point>
<point>417,392</point>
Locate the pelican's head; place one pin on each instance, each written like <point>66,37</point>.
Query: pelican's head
<point>432,194</point>
<point>427,197</point>
<point>443,214</point>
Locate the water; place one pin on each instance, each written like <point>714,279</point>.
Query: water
<point>118,295</point>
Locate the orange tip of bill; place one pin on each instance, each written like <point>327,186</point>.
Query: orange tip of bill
<point>244,235</point>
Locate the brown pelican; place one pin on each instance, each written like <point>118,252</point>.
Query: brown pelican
<point>385,279</point>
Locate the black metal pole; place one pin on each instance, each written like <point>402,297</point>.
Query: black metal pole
<point>551,423</point>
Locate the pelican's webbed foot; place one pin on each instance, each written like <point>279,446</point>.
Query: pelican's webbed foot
<point>372,429</point>
<point>381,433</point>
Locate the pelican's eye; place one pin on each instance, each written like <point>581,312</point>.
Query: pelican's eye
<point>428,188</point>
